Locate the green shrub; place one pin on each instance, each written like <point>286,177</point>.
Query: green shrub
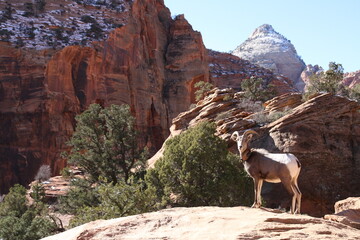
<point>81,194</point>
<point>198,170</point>
<point>104,144</point>
<point>21,221</point>
<point>38,193</point>
<point>257,90</point>
<point>329,81</point>
<point>115,201</point>
<point>202,88</point>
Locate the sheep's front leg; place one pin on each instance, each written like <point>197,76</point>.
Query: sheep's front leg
<point>257,189</point>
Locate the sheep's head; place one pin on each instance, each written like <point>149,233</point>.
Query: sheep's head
<point>243,140</point>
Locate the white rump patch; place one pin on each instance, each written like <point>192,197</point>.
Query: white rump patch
<point>287,159</point>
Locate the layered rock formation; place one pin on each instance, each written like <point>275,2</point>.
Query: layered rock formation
<point>323,133</point>
<point>211,223</point>
<point>271,50</point>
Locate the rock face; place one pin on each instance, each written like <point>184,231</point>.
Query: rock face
<point>269,49</point>
<point>210,223</point>
<point>323,133</point>
<point>308,71</point>
<point>352,78</point>
<point>34,122</point>
<point>227,71</point>
<point>347,211</point>
<point>152,64</point>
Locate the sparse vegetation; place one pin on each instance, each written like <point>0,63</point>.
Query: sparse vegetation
<point>354,93</point>
<point>87,19</point>
<point>95,31</point>
<point>41,29</point>
<point>222,115</point>
<point>7,12</point>
<point>250,105</point>
<point>21,221</point>
<point>328,81</point>
<point>39,6</point>
<point>202,88</point>
<point>262,117</point>
<point>28,9</point>
<point>5,34</point>
<point>257,90</point>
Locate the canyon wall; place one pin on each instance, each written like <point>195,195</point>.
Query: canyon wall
<point>151,64</point>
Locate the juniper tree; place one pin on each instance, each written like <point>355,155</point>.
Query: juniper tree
<point>104,144</point>
<point>329,81</point>
<point>257,90</point>
<point>198,170</point>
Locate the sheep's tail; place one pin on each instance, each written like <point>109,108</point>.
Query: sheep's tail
<point>298,162</point>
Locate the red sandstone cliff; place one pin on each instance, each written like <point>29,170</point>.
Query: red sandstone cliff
<point>151,64</point>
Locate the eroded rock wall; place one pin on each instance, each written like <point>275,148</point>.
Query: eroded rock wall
<point>151,64</point>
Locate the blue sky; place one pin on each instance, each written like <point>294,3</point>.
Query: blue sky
<point>321,31</point>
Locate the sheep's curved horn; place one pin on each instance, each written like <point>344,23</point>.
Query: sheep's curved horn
<point>247,135</point>
<point>235,136</point>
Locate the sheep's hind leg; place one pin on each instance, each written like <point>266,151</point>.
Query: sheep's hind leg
<point>298,196</point>
<point>288,185</point>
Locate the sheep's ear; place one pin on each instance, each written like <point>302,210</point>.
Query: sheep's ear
<point>249,137</point>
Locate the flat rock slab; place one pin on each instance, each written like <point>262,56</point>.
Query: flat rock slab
<point>211,223</point>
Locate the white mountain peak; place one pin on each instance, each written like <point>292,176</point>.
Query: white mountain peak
<point>269,49</point>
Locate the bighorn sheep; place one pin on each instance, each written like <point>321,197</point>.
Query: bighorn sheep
<point>271,167</point>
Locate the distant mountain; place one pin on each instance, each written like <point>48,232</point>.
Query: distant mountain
<point>271,50</point>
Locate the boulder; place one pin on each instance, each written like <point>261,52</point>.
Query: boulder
<point>347,211</point>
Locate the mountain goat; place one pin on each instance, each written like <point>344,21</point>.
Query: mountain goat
<point>271,167</point>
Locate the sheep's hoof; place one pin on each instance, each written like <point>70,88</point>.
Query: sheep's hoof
<point>256,205</point>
